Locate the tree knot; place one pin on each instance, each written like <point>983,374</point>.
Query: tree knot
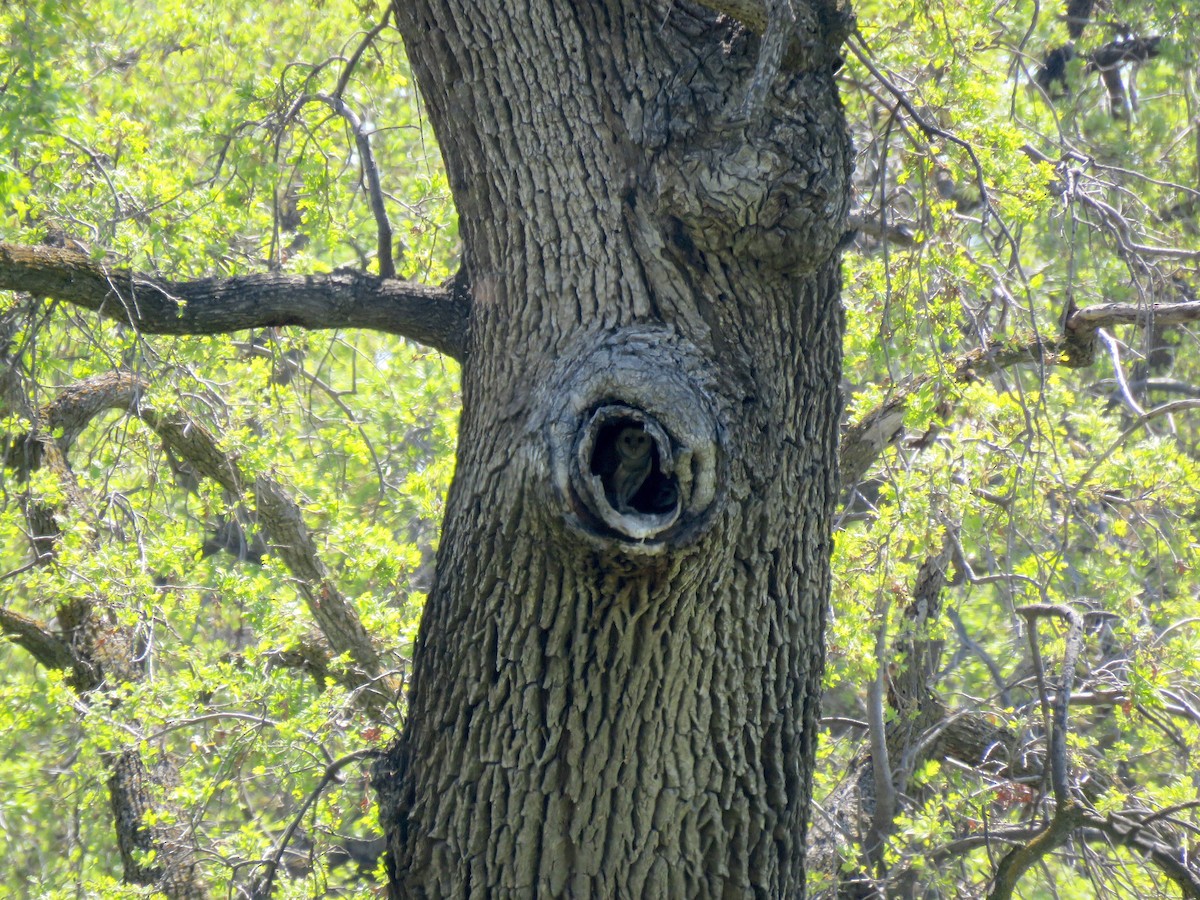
<point>634,442</point>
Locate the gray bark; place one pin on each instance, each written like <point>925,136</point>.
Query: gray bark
<point>342,299</point>
<point>621,701</point>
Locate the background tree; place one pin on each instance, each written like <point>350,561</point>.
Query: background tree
<point>1025,545</point>
<point>217,548</point>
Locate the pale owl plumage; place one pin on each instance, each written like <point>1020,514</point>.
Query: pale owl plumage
<point>633,466</point>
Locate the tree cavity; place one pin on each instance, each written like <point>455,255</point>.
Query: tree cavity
<point>629,465</point>
<point>633,444</point>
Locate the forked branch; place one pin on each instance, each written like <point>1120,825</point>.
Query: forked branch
<point>1068,814</point>
<point>863,442</point>
<point>278,514</point>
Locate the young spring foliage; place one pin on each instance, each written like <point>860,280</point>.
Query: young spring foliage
<point>1024,489</point>
<point>993,209</point>
<point>177,138</point>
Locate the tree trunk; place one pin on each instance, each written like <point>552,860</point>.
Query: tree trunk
<point>615,687</point>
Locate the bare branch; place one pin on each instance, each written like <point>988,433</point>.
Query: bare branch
<point>362,140</point>
<point>1114,352</point>
<point>1068,814</point>
<point>344,80</point>
<point>47,648</point>
<point>1062,700</point>
<point>264,884</point>
<point>1067,186</point>
<point>433,316</point>
<point>1105,315</point>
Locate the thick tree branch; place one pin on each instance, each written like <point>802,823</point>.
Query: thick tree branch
<point>1057,726</point>
<point>47,648</point>
<point>434,316</point>
<point>1021,859</point>
<point>1125,50</point>
<point>278,513</point>
<point>1105,315</point>
<point>153,851</point>
<point>863,442</point>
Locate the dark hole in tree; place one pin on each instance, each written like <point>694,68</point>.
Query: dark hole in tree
<point>626,457</point>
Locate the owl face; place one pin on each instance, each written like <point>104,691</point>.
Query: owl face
<point>633,443</point>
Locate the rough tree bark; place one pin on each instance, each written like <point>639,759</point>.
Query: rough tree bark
<point>609,698</point>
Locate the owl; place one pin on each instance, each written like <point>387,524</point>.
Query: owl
<point>633,466</point>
